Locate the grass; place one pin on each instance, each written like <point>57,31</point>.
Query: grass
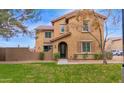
<point>51,72</point>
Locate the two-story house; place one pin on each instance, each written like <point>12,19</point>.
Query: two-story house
<point>66,38</point>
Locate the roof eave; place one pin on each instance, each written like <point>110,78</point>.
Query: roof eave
<point>60,37</point>
<point>65,16</point>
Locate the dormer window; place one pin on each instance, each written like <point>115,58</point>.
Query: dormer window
<point>62,28</point>
<point>85,26</point>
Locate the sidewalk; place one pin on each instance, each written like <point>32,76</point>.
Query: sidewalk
<point>64,61</point>
<point>93,62</point>
<point>26,62</point>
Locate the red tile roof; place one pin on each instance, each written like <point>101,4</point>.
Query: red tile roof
<point>44,27</point>
<point>60,37</point>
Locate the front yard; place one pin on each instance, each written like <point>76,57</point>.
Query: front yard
<point>51,72</point>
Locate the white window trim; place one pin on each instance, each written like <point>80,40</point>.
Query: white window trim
<point>88,27</point>
<point>82,46</point>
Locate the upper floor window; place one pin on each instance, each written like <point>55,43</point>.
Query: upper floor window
<point>85,25</point>
<point>62,29</point>
<point>48,34</point>
<point>86,46</point>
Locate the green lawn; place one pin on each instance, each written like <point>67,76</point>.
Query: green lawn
<point>51,72</point>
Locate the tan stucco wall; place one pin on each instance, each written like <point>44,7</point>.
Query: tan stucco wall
<point>41,40</point>
<point>57,27</point>
<point>76,36</point>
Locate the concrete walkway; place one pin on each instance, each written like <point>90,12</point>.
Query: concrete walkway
<point>62,61</point>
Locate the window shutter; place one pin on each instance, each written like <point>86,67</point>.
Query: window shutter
<point>78,46</point>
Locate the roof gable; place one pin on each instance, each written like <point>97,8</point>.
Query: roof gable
<point>73,14</point>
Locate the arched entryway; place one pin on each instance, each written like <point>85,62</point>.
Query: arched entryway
<point>63,49</point>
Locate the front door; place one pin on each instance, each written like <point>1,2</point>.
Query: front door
<point>63,50</point>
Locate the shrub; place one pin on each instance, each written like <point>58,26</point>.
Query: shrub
<point>98,56</point>
<point>41,55</point>
<point>109,55</point>
<point>56,56</point>
<point>85,55</point>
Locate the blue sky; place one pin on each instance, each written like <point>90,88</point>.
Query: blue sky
<point>47,15</point>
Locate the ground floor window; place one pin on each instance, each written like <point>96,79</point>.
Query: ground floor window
<point>47,48</point>
<point>86,46</point>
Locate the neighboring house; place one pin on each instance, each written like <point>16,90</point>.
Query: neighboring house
<point>114,43</point>
<point>66,39</point>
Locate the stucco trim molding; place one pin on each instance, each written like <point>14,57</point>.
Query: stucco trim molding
<point>86,40</point>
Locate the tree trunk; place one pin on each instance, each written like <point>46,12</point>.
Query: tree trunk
<point>104,57</point>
